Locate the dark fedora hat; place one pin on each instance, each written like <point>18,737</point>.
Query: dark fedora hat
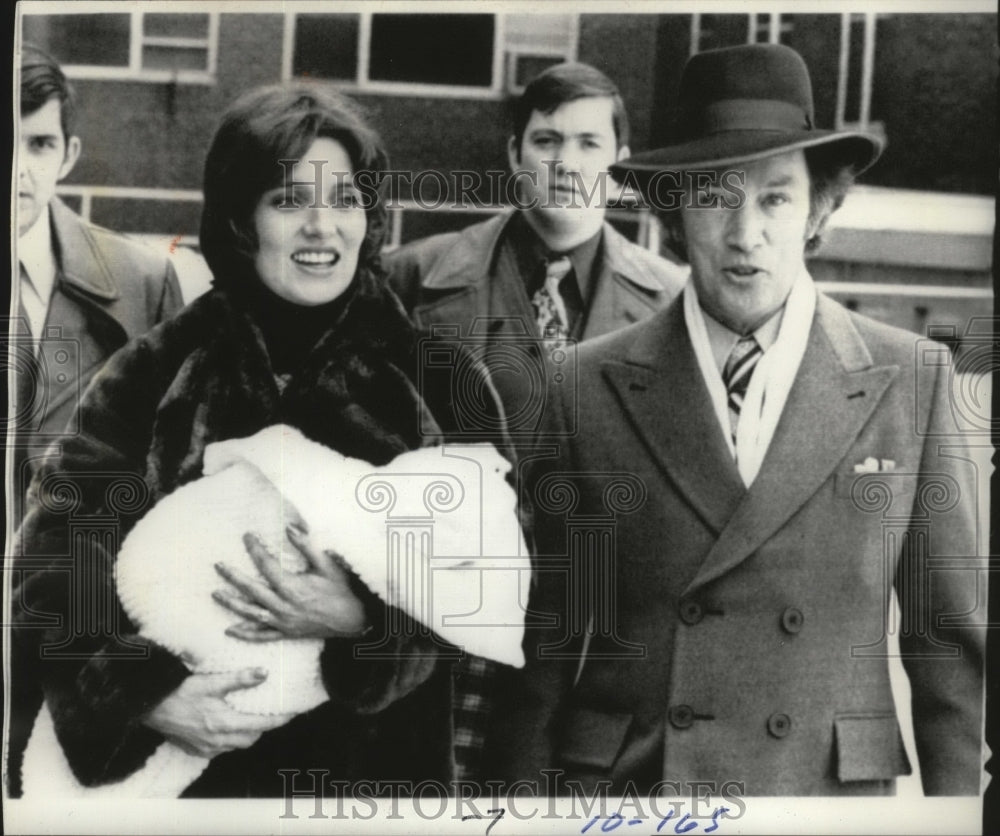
<point>744,103</point>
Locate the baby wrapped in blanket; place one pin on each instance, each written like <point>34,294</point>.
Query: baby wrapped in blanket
<point>165,572</point>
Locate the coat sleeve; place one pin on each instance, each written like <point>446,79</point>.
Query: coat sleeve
<point>941,584</point>
<point>98,676</point>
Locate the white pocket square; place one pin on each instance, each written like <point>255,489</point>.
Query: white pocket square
<point>873,465</point>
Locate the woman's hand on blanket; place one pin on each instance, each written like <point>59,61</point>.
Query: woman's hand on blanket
<point>317,603</point>
<point>197,717</point>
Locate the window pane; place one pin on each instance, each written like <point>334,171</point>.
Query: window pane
<point>852,109</point>
<point>432,49</point>
<point>760,24</point>
<point>177,26</point>
<point>326,46</point>
<point>817,39</point>
<point>174,58</point>
<point>528,66</point>
<point>94,40</point>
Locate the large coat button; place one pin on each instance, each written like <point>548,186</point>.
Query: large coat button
<point>691,612</point>
<point>681,716</point>
<point>792,620</point>
<point>779,725</point>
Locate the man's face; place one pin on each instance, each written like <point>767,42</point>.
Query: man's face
<point>567,152</point>
<point>745,260</point>
<point>44,158</point>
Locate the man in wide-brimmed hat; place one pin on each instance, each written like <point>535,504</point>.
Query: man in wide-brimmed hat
<point>784,469</point>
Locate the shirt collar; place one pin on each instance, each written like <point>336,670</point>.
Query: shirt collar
<point>722,340</point>
<point>531,253</point>
<point>37,255</point>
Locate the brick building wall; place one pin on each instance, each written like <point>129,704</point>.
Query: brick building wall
<point>932,93</point>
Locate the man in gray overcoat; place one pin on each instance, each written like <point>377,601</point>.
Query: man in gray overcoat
<point>754,473</point>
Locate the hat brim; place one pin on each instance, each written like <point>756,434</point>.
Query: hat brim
<point>861,150</point>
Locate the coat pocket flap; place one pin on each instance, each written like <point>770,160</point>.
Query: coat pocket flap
<point>869,748</point>
<point>594,738</point>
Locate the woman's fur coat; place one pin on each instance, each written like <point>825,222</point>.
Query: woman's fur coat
<point>144,423</point>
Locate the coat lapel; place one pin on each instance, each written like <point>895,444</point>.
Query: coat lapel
<point>81,338</point>
<point>81,260</point>
<point>616,303</point>
<point>835,392</point>
<point>662,392</point>
<point>457,287</point>
<point>624,291</point>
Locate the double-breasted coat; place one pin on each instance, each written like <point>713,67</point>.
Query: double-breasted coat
<point>710,632</point>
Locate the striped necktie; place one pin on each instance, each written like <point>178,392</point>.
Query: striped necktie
<point>550,309</point>
<point>736,375</point>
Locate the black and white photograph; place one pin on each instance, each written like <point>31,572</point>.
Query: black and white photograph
<point>501,417</point>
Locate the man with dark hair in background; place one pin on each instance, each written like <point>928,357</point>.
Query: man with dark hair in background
<point>553,268</point>
<point>516,287</point>
<point>81,293</point>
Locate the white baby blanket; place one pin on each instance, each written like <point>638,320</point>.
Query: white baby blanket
<point>434,533</point>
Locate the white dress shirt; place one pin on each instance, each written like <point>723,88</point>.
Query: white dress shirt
<point>38,271</point>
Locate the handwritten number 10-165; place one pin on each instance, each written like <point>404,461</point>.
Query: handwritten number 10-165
<point>684,824</point>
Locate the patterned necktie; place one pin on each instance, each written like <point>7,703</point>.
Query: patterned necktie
<point>736,375</point>
<point>550,310</point>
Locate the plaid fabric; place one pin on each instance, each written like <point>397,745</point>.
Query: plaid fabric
<point>473,678</point>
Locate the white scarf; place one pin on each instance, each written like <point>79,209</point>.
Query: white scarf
<point>772,378</point>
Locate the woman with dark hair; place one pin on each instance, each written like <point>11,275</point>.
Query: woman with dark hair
<point>299,329</point>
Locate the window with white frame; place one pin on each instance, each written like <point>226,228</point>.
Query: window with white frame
<point>135,45</point>
<point>443,54</point>
<point>767,28</point>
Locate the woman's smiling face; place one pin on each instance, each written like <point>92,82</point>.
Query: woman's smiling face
<point>310,229</point>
